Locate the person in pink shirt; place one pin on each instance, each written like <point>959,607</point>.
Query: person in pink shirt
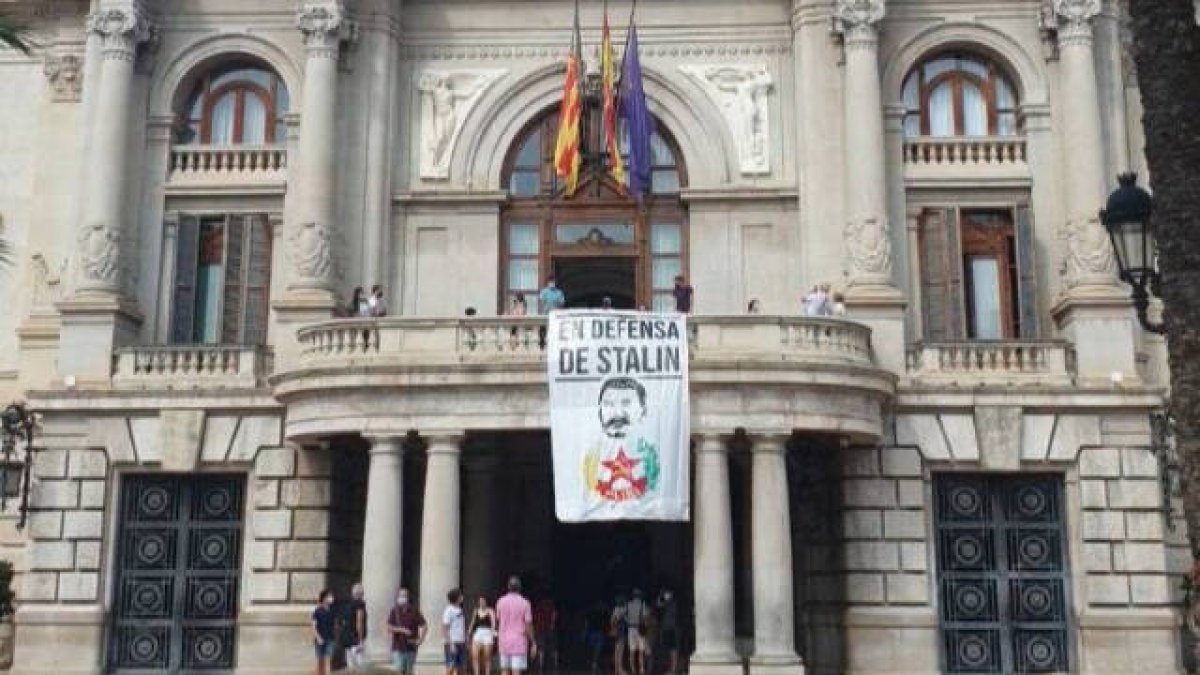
<point>515,617</point>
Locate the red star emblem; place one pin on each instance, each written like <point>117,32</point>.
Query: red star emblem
<point>621,472</point>
<point>621,466</point>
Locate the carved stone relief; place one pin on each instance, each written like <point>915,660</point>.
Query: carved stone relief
<point>310,247</point>
<point>65,73</point>
<point>47,280</point>
<point>447,97</point>
<point>742,92</point>
<point>869,251</point>
<point>1089,256</point>
<point>99,246</point>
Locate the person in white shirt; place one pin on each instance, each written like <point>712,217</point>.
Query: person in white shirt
<point>454,634</point>
<point>815,301</point>
<point>635,619</point>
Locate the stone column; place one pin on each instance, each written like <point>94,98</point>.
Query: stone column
<point>440,553</point>
<point>771,544</point>
<point>1093,311</point>
<point>713,554</point>
<point>313,178</point>
<point>383,543</point>
<point>377,190</point>
<point>871,295</point>
<point>98,317</point>
<point>1090,259</point>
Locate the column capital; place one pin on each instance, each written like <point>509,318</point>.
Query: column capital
<point>325,27</point>
<point>1073,20</point>
<point>385,444</point>
<point>444,443</point>
<point>769,444</point>
<point>122,29</point>
<point>710,444</point>
<point>857,21</point>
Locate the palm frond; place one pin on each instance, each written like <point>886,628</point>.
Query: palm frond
<point>5,253</point>
<point>13,35</point>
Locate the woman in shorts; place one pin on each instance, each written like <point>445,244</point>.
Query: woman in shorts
<point>483,636</point>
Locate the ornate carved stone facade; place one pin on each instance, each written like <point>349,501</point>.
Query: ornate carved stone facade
<point>180,256</point>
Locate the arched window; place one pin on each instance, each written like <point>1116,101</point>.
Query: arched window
<point>599,242</point>
<point>240,103</point>
<point>955,94</point>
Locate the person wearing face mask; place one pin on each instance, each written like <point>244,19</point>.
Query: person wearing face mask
<point>407,628</point>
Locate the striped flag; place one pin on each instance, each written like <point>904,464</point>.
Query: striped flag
<point>567,152</point>
<point>612,147</point>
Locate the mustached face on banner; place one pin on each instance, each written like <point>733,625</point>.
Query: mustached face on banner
<point>621,405</point>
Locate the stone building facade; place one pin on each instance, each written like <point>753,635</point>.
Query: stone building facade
<point>961,475</point>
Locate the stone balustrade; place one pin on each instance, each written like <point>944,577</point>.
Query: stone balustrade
<point>965,158</point>
<point>757,338</point>
<point>992,363</point>
<point>216,165</point>
<point>183,367</point>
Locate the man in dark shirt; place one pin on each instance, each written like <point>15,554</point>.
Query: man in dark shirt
<point>408,632</point>
<point>322,632</point>
<point>354,631</point>
<point>683,295</point>
<point>669,629</point>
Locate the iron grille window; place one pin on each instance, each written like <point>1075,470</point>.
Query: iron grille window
<point>1002,574</point>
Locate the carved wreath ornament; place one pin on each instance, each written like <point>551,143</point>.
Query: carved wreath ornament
<point>310,246</point>
<point>869,247</point>
<point>99,247</point>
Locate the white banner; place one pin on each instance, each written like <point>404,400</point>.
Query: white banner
<point>619,415</point>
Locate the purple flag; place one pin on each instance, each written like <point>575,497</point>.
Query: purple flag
<point>639,124</point>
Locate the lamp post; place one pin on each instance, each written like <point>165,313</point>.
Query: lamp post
<point>17,423</point>
<point>1127,219</point>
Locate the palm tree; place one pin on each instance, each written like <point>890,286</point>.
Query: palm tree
<point>12,36</point>
<point>1166,41</point>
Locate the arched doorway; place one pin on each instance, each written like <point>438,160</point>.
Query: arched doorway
<point>598,242</point>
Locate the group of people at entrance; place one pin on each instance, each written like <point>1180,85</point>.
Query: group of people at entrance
<point>508,629</point>
<point>522,634</point>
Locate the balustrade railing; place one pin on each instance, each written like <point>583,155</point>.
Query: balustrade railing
<point>986,362</point>
<point>191,366</point>
<point>524,339</point>
<point>985,151</point>
<point>227,164</point>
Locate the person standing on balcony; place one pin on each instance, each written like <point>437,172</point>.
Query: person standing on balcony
<point>815,301</point>
<point>683,295</point>
<point>518,306</point>
<point>551,296</point>
<point>376,303</point>
<point>357,305</point>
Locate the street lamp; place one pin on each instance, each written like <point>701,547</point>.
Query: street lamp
<point>1127,219</point>
<point>17,423</point>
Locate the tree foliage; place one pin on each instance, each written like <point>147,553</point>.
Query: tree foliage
<point>13,35</point>
<point>1167,54</point>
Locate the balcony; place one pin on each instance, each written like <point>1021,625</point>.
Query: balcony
<point>190,367</point>
<point>208,167</point>
<point>964,160</point>
<point>396,374</point>
<point>992,363</point>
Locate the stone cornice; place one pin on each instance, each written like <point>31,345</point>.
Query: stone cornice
<point>556,50</point>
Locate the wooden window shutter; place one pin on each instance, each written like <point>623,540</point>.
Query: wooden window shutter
<point>941,275</point>
<point>1026,273</point>
<point>187,257</point>
<point>235,269</point>
<point>256,302</point>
